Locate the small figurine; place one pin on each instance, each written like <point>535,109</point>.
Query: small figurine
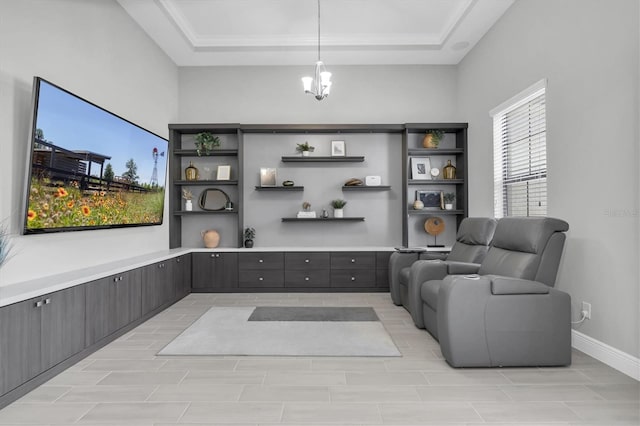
<point>306,206</point>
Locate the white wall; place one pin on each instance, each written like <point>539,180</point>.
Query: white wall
<point>94,49</point>
<point>588,50</point>
<point>360,94</point>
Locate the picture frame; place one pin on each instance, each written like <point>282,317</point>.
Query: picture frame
<point>338,149</point>
<point>420,168</point>
<point>267,176</point>
<point>431,199</point>
<point>224,172</point>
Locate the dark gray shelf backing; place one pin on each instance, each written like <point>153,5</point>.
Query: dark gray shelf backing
<point>318,159</point>
<point>322,128</point>
<point>280,188</point>
<point>366,188</point>
<point>447,127</point>
<point>205,182</point>
<point>323,219</point>
<point>214,153</point>
<point>435,181</point>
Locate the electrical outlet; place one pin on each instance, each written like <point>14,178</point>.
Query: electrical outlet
<point>586,310</point>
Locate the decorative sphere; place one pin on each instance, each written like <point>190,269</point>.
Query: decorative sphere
<point>418,205</point>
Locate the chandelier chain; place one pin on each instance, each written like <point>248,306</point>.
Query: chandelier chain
<point>318,30</point>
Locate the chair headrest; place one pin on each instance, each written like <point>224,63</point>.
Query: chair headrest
<point>476,230</point>
<point>526,234</point>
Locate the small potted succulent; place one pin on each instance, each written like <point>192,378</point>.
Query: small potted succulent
<point>432,138</point>
<point>338,208</point>
<point>305,149</point>
<point>448,198</point>
<point>188,196</point>
<point>206,142</point>
<point>249,235</point>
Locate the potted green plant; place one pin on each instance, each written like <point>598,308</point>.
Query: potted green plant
<point>432,138</point>
<point>448,198</point>
<point>338,207</point>
<point>206,142</point>
<point>188,196</point>
<point>249,235</point>
<point>4,245</point>
<point>305,149</point>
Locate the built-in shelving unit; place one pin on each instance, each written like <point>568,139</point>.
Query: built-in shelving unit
<point>313,159</point>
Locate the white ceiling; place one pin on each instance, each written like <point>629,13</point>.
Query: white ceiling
<point>284,32</point>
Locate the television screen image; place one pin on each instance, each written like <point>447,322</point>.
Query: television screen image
<point>89,168</point>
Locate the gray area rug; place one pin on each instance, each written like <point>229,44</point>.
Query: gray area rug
<point>229,331</point>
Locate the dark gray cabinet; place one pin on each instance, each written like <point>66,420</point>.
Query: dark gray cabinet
<point>39,333</point>
<point>382,269</point>
<point>182,275</point>
<point>214,271</point>
<point>261,270</point>
<point>112,303</point>
<point>307,270</point>
<point>157,285</point>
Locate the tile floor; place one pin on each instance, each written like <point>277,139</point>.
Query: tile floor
<point>125,383</point>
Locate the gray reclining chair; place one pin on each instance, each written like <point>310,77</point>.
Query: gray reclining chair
<point>407,271</point>
<point>508,314</point>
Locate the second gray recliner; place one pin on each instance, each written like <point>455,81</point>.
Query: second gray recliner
<point>408,273</point>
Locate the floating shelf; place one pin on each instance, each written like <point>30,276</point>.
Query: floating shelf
<point>366,188</point>
<point>435,181</point>
<point>205,182</point>
<point>435,151</point>
<point>434,212</point>
<point>312,159</point>
<point>214,153</point>
<point>196,212</point>
<point>323,219</point>
<point>280,188</point>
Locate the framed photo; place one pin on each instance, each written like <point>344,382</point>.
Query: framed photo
<point>338,149</point>
<point>431,199</point>
<point>224,173</point>
<point>420,168</point>
<point>267,177</point>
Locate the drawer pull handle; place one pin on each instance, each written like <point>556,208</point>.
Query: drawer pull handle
<point>353,261</point>
<point>353,278</point>
<point>39,303</point>
<point>177,260</point>
<point>213,255</point>
<point>260,261</point>
<point>306,278</point>
<point>47,301</point>
<point>306,261</point>
<point>260,279</point>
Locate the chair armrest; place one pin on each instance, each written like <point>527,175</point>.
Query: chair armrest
<point>421,271</point>
<point>460,268</point>
<point>397,261</point>
<point>506,285</point>
<point>433,256</point>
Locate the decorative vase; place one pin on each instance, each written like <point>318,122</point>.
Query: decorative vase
<point>448,206</point>
<point>429,142</point>
<point>248,243</point>
<point>418,205</point>
<point>191,172</point>
<point>338,213</point>
<point>305,153</point>
<point>449,171</point>
<point>188,205</point>
<point>211,238</point>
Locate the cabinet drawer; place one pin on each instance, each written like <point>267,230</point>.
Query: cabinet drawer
<point>309,278</point>
<point>306,261</point>
<point>261,261</point>
<point>252,278</point>
<point>382,278</point>
<point>353,278</point>
<point>353,260</point>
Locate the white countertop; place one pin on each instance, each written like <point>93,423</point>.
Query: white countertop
<point>20,291</point>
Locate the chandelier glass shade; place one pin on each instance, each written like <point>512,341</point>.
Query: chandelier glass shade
<point>320,84</point>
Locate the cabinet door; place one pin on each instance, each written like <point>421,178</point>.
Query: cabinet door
<point>19,344</point>
<point>216,271</point>
<point>125,299</point>
<point>99,309</point>
<point>182,275</point>
<point>157,286</point>
<point>63,325</point>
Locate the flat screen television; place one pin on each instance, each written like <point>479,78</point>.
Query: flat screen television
<point>89,168</point>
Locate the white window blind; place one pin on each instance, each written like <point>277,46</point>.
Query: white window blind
<point>520,154</point>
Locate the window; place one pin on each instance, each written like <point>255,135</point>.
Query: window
<point>520,154</point>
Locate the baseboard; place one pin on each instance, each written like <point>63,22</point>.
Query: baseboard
<point>609,355</point>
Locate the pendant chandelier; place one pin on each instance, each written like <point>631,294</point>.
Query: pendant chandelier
<point>319,85</point>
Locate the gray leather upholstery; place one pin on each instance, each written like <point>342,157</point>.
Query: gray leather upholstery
<point>472,243</point>
<point>508,314</point>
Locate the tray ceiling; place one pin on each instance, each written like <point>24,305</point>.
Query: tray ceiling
<point>284,32</point>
